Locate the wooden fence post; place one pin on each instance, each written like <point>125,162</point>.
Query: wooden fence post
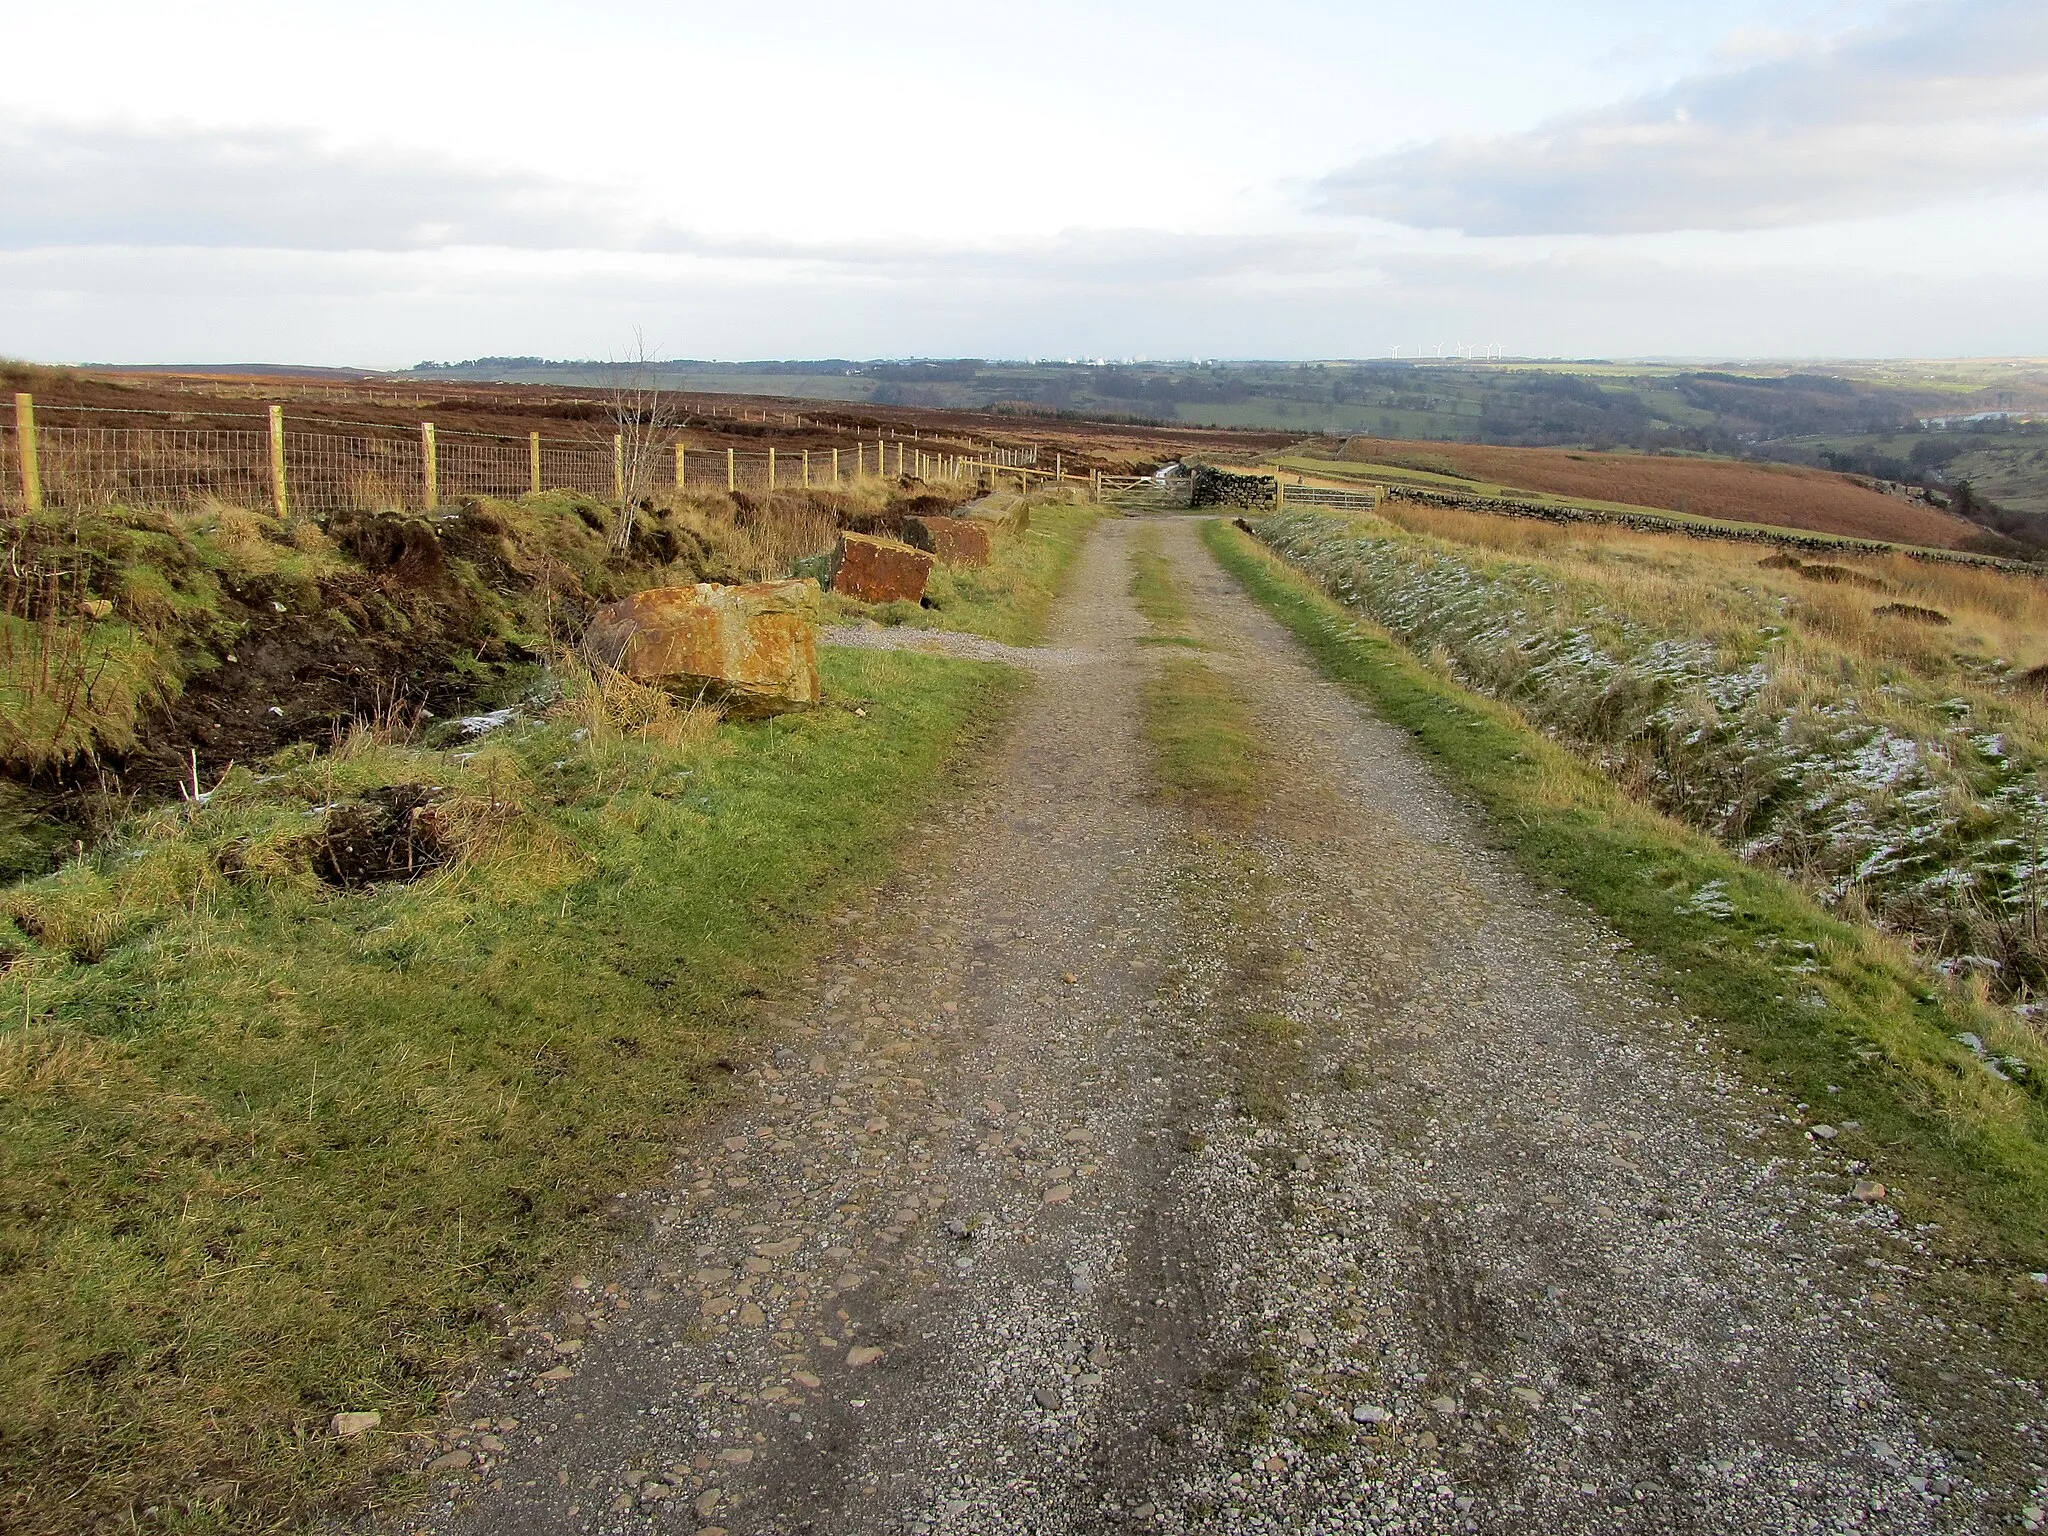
<point>1059,469</point>
<point>533,459</point>
<point>732,474</point>
<point>278,501</point>
<point>771,469</point>
<point>1095,485</point>
<point>25,435</point>
<point>430,468</point>
<point>807,469</point>
<point>1279,491</point>
<point>682,476</point>
<point>835,469</point>
<point>619,468</point>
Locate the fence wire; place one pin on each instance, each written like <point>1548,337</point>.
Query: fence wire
<point>585,467</point>
<point>171,468</point>
<point>481,466</point>
<point>325,473</point>
<point>145,467</point>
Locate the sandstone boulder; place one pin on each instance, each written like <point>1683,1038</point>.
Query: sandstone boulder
<point>752,648</point>
<point>952,540</point>
<point>879,570</point>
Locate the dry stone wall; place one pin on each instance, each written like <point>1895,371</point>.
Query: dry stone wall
<point>1221,488</point>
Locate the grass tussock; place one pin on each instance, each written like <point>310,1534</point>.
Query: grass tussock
<point>1830,1011</point>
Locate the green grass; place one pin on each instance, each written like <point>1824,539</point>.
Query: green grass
<point>1271,1050</point>
<point>279,1154</point>
<point>1158,599</point>
<point>270,1150</point>
<point>1805,1001</point>
<point>1206,751</point>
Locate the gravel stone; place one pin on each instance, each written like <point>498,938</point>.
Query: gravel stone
<point>1496,1181</point>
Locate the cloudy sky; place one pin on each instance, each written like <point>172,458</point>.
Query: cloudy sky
<point>378,183</point>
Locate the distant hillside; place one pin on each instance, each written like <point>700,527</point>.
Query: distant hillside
<point>1780,494</point>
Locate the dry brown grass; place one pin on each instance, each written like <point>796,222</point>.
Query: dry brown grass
<point>763,538</point>
<point>760,536</point>
<point>611,706</point>
<point>1725,589</point>
<point>1779,494</point>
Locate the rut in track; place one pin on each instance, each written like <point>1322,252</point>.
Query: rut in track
<point>993,1244</point>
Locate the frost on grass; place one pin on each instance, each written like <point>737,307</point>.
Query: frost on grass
<point>1710,900</point>
<point>1893,799</point>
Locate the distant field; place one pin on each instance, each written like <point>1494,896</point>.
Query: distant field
<point>1779,494</point>
<point>2006,465</point>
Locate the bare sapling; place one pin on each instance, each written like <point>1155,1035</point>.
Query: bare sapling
<point>645,424</point>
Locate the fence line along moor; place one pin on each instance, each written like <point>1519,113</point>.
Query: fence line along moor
<point>385,468</point>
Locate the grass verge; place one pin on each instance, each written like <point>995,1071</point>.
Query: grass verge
<point>274,1147</point>
<point>1829,1012</point>
<point>275,1155</point>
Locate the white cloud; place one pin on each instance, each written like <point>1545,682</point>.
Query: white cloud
<point>72,186</point>
<point>865,221</point>
<point>1943,100</point>
<point>67,183</point>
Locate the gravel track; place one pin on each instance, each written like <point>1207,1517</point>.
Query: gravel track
<point>950,642</point>
<point>1124,1173</point>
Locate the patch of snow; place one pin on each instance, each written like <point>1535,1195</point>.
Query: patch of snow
<point>484,724</point>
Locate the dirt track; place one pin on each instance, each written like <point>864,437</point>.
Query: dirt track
<point>994,1246</point>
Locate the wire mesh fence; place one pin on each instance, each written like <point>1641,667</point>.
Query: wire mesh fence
<point>139,466</point>
<point>571,466</point>
<point>325,472</point>
<point>399,469</point>
<point>485,466</point>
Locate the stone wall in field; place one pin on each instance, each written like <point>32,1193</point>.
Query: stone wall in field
<point>1221,488</point>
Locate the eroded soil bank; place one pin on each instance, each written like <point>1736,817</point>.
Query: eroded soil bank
<point>1318,1174</point>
